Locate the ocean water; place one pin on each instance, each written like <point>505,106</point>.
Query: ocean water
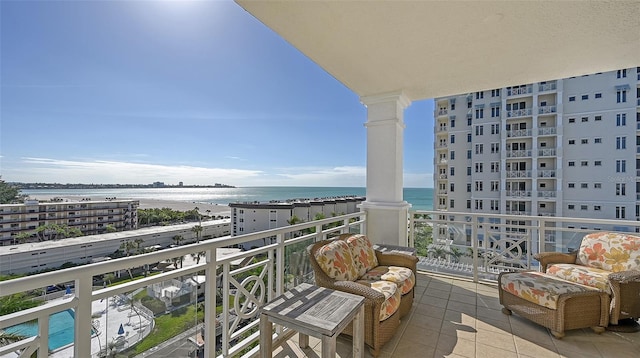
<point>419,198</point>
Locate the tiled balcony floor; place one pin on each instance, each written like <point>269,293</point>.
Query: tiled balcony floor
<point>457,318</point>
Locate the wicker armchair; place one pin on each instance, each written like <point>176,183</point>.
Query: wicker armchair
<point>608,261</point>
<point>377,331</point>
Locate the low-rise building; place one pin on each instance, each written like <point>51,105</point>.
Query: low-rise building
<point>90,217</point>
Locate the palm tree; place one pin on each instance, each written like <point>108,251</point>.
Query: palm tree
<point>8,338</point>
<point>21,237</point>
<point>178,239</point>
<point>197,230</point>
<point>198,255</point>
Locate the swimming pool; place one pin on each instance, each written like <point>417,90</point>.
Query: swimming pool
<point>61,329</point>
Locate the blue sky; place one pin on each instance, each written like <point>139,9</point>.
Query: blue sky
<point>199,92</point>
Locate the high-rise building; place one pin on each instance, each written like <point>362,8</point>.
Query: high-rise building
<point>567,147</point>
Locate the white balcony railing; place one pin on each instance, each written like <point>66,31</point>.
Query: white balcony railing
<point>519,153</point>
<point>549,86</point>
<point>516,91</point>
<point>519,193</point>
<point>547,152</point>
<point>519,133</point>
<point>546,194</point>
<point>278,264</point>
<point>518,174</point>
<point>547,131</point>
<point>519,113</point>
<point>546,173</point>
<point>547,109</point>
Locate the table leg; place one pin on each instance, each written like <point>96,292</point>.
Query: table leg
<point>303,340</point>
<point>329,346</point>
<point>358,333</point>
<point>266,337</point>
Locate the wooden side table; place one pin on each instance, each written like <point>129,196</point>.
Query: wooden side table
<point>314,311</point>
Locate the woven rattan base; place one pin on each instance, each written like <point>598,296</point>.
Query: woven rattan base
<point>574,310</point>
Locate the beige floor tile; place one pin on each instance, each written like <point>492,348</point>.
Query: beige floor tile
<point>437,293</point>
<point>502,341</point>
<point>487,351</point>
<point>439,286</point>
<point>458,330</point>
<point>534,348</point>
<point>429,310</point>
<point>452,345</point>
<point>492,325</point>
<point>459,297</point>
<point>434,301</point>
<point>467,291</point>
<point>459,317</point>
<point>462,307</point>
<point>424,322</point>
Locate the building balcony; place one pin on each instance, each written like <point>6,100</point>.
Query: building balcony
<point>546,173</point>
<point>549,86</point>
<point>456,307</point>
<point>547,152</point>
<point>518,174</point>
<point>519,193</point>
<point>547,110</point>
<point>519,153</point>
<point>442,112</point>
<point>519,133</point>
<point>547,193</point>
<point>525,112</point>
<point>519,91</point>
<point>547,131</point>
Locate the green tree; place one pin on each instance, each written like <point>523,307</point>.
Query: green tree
<point>111,228</point>
<point>198,231</point>
<point>8,338</point>
<point>8,193</point>
<point>21,237</point>
<point>14,303</point>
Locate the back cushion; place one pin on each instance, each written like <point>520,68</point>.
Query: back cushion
<point>336,261</point>
<point>363,253</point>
<point>610,251</point>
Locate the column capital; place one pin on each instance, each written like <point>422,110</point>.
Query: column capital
<point>396,96</point>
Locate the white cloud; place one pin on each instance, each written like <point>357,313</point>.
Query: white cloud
<point>315,176</point>
<point>104,171</point>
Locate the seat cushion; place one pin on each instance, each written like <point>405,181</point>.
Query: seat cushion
<point>538,288</point>
<point>401,276</point>
<point>391,294</point>
<point>364,255</point>
<point>610,251</point>
<point>336,261</point>
<point>584,275</point>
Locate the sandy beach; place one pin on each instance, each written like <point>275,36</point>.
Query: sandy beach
<point>213,209</point>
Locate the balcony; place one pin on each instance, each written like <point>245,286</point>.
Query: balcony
<point>519,153</point>
<point>519,193</point>
<point>519,91</point>
<point>547,131</point>
<point>550,86</point>
<point>519,133</point>
<point>525,112</point>
<point>546,173</point>
<point>547,152</point>
<point>547,110</point>
<point>546,194</point>
<point>518,174</point>
<point>456,309</point>
<point>442,112</point>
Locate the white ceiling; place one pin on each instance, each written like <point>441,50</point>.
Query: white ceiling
<point>430,49</point>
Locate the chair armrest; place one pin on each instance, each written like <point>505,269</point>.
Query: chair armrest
<point>360,290</point>
<point>549,258</point>
<point>397,259</point>
<point>623,277</point>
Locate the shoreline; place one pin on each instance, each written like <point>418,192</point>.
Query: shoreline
<point>204,208</point>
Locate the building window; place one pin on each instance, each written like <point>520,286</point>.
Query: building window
<point>478,204</point>
<point>620,212</point>
<point>478,186</point>
<point>621,73</point>
<point>572,98</point>
<point>597,185</point>
<point>469,154</point>
<point>495,185</point>
<point>585,97</point>
<point>572,141</point>
<point>469,138</point>
<point>479,130</point>
<point>479,113</point>
<point>452,186</point>
<point>621,96</point>
<point>452,139</point>
<point>452,171</point>
<point>621,142</point>
<point>495,129</point>
<point>621,166</point>
<point>479,167</point>
<point>495,167</point>
<point>468,204</point>
<point>479,148</point>
<point>598,95</point>
<point>597,140</point>
<point>495,148</point>
<point>597,118</point>
<point>572,120</point>
<point>468,170</point>
<point>572,163</point>
<point>468,121</point>
<point>495,93</point>
<point>453,123</point>
<point>584,207</point>
<point>495,112</point>
<point>584,141</point>
<point>597,163</point>
<point>621,119</point>
<point>584,163</point>
<point>585,119</point>
<point>571,207</point>
<point>584,186</point>
<point>479,95</point>
<point>571,185</point>
<point>468,187</point>
<point>596,208</point>
<point>621,189</point>
<point>451,203</point>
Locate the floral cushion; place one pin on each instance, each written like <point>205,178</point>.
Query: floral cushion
<point>336,261</point>
<point>585,275</point>
<point>610,251</point>
<point>539,288</point>
<point>364,255</point>
<point>402,276</point>
<point>391,294</point>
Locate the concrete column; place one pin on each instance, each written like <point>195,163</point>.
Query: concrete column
<point>387,212</point>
